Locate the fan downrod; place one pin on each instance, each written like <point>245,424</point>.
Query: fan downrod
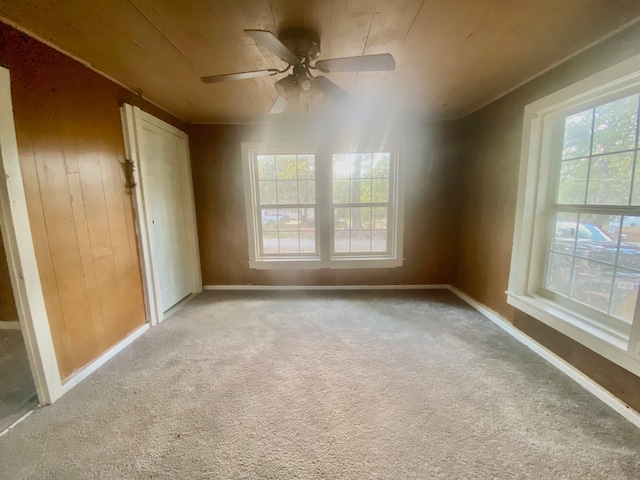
<point>303,42</point>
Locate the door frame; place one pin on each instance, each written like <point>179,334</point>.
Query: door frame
<point>133,120</point>
<point>21,258</point>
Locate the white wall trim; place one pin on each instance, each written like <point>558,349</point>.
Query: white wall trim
<point>13,325</point>
<point>585,382</point>
<point>88,369</point>
<point>21,257</point>
<point>324,287</point>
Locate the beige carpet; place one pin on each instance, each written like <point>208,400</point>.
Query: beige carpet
<point>355,385</point>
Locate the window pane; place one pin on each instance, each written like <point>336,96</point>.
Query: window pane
<point>577,135</point>
<point>268,192</point>
<point>288,219</point>
<point>381,165</point>
<point>361,217</point>
<point>341,191</point>
<point>353,231</point>
<point>635,196</point>
<point>361,165</point>
<point>379,240</point>
<point>341,241</point>
<point>615,125</point>
<point>380,190</point>
<point>610,179</point>
<point>306,166</point>
<point>341,166</point>
<point>287,191</point>
<point>559,276</point>
<point>307,218</point>
<point>286,168</point>
<point>361,190</point>
<point>572,187</point>
<point>289,242</point>
<point>598,237</point>
<point>308,241</point>
<point>629,255</point>
<point>625,294</point>
<point>380,217</point>
<point>271,219</point>
<point>307,191</point>
<point>341,218</point>
<point>361,240</point>
<point>269,242</point>
<point>564,240</point>
<point>266,167</point>
<point>592,283</point>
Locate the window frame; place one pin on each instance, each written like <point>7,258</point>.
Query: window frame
<point>325,256</point>
<point>538,182</point>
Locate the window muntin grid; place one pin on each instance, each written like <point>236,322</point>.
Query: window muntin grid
<point>594,254</point>
<point>287,204</point>
<point>362,195</point>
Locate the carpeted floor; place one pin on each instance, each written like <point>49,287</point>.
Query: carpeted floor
<point>355,385</point>
<point>17,391</point>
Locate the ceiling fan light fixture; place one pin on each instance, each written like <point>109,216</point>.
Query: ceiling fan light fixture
<point>305,84</point>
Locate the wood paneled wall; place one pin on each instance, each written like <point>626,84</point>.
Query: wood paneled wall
<point>8,311</point>
<point>430,191</point>
<point>71,147</point>
<point>490,163</point>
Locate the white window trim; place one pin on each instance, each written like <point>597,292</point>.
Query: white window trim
<point>324,258</point>
<point>532,215</point>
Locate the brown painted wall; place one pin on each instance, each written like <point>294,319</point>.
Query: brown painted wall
<point>8,311</point>
<point>71,147</point>
<point>430,190</point>
<point>489,172</point>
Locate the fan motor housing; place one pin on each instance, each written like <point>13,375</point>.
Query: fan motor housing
<point>303,42</point>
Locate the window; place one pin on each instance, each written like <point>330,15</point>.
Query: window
<point>307,209</point>
<point>576,258</point>
<point>361,203</point>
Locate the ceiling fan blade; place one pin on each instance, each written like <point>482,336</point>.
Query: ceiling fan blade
<point>332,90</point>
<point>275,46</point>
<point>366,63</point>
<point>279,106</point>
<point>239,76</point>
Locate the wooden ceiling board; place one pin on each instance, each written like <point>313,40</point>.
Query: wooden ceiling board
<point>452,56</point>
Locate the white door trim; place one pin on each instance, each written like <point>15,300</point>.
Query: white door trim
<point>133,119</point>
<point>21,257</point>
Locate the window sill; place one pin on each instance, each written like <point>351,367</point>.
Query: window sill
<point>333,264</point>
<point>608,345</point>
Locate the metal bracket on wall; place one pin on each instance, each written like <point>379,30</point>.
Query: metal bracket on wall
<point>128,166</point>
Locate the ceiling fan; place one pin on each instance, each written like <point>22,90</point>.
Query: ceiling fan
<point>299,47</point>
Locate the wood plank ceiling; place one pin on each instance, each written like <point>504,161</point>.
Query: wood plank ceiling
<point>452,56</point>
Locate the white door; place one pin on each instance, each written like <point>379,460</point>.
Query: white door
<point>165,210</point>
<point>165,198</point>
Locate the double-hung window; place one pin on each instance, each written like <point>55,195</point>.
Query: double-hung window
<point>576,259</point>
<point>311,209</point>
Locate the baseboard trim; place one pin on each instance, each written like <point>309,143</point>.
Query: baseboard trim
<point>11,325</point>
<point>79,376</point>
<point>325,287</point>
<point>585,382</point>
